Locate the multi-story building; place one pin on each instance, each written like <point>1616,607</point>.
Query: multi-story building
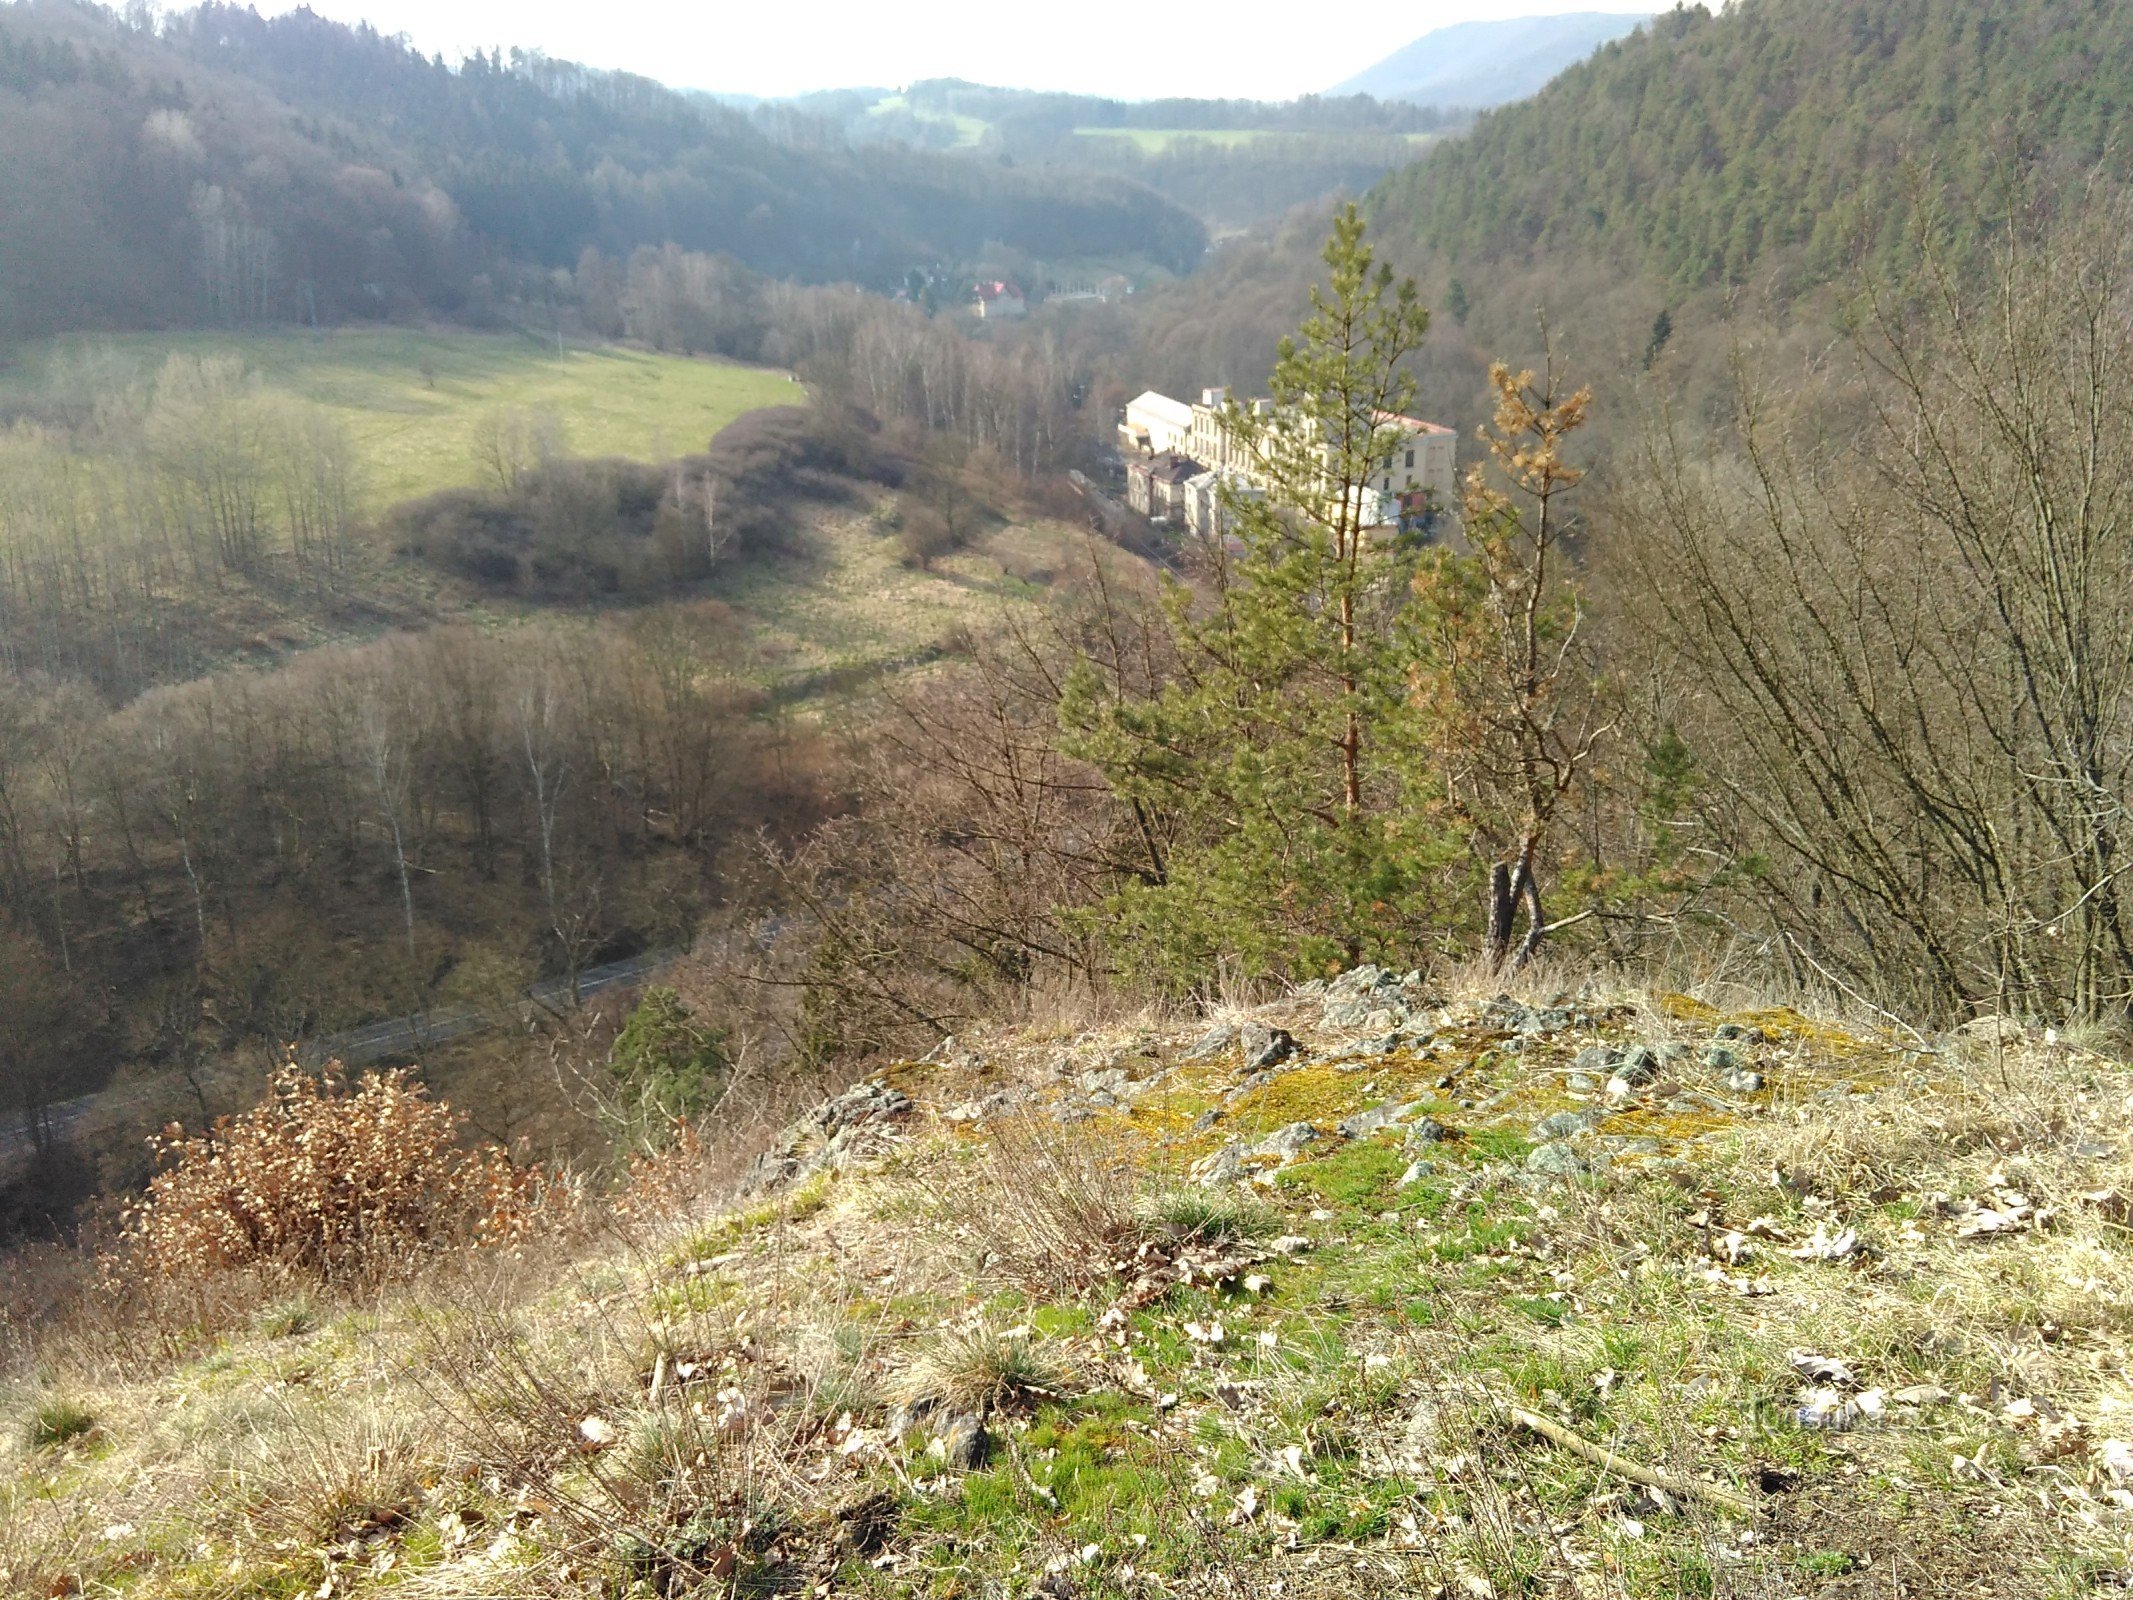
<point>1155,485</point>
<point>1153,424</point>
<point>1414,484</point>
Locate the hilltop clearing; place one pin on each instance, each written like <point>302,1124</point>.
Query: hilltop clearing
<point>1346,1290</point>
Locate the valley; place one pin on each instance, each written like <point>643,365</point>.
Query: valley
<point>1139,842</point>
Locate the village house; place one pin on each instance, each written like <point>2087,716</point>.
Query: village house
<point>1206,517</point>
<point>1000,302</point>
<point>1155,485</point>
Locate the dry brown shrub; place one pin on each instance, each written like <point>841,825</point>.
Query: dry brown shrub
<point>335,1186</point>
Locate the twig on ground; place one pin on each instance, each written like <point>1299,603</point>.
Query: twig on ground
<point>1623,1467</point>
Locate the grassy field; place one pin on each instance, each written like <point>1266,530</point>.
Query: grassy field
<point>411,398</point>
<point>1154,141</point>
<point>969,131</point>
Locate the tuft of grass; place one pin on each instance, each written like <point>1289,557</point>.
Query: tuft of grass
<point>1207,1216</point>
<point>58,1420</point>
<point>981,1370</point>
<point>286,1319</point>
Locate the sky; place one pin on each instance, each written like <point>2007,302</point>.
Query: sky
<point>1244,48</point>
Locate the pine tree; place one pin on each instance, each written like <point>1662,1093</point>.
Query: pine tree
<point>1522,708</point>
<point>1286,752</point>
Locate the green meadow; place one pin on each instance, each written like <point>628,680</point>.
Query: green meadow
<point>1154,141</point>
<point>411,399</point>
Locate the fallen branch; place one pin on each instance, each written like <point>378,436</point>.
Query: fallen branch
<point>1623,1467</point>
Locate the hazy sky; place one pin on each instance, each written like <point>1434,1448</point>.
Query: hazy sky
<point>773,47</point>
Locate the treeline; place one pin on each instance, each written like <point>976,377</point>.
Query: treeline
<point>1239,184</point>
<point>552,527</point>
<point>260,856</point>
<point>223,166</point>
<point>1019,393</point>
<point>1020,113</point>
<point>1317,145</point>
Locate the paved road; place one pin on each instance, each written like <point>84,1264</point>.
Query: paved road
<point>372,1042</point>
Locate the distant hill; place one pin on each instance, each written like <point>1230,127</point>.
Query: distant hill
<point>1710,159</point>
<point>1481,64</point>
<point>216,166</point>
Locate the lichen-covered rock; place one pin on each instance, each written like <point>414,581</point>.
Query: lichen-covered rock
<point>1365,1123</point>
<point>1638,1066</point>
<point>963,1442</point>
<point>1426,1131</point>
<point>1266,1047</point>
<point>1561,1125</point>
<point>1213,1042</point>
<point>1557,1160</point>
<point>1288,1142</point>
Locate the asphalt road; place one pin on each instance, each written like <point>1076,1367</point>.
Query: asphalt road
<point>374,1041</point>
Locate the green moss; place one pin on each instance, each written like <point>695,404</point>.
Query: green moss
<point>1361,1176</point>
<point>1497,1144</point>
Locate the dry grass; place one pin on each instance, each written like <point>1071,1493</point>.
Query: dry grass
<point>693,1406</point>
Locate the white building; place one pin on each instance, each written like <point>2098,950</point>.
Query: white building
<point>1154,425</point>
<point>1423,462</point>
<point>1204,514</point>
<point>1417,482</point>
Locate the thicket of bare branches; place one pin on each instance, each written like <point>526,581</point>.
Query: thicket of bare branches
<point>1894,607</point>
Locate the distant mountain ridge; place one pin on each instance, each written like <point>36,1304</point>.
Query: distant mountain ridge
<point>1481,64</point>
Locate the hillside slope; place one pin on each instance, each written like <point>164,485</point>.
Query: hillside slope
<point>1705,146</point>
<point>1135,1311</point>
<point>1481,64</point>
<point>229,168</point>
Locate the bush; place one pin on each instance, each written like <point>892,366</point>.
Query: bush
<point>668,1066</point>
<point>327,1185</point>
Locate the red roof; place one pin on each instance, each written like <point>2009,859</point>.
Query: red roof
<point>1393,419</point>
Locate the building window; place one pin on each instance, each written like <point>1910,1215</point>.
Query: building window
<point>1410,461</point>
<point>1388,483</point>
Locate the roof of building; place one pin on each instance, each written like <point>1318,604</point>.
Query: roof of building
<point>1162,407</point>
<point>998,291</point>
<point>1393,419</point>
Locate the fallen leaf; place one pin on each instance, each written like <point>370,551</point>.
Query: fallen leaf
<point>1826,1246</point>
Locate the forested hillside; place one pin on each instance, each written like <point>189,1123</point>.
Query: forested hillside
<point>1706,146</point>
<point>226,168</point>
<point>1231,162</point>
